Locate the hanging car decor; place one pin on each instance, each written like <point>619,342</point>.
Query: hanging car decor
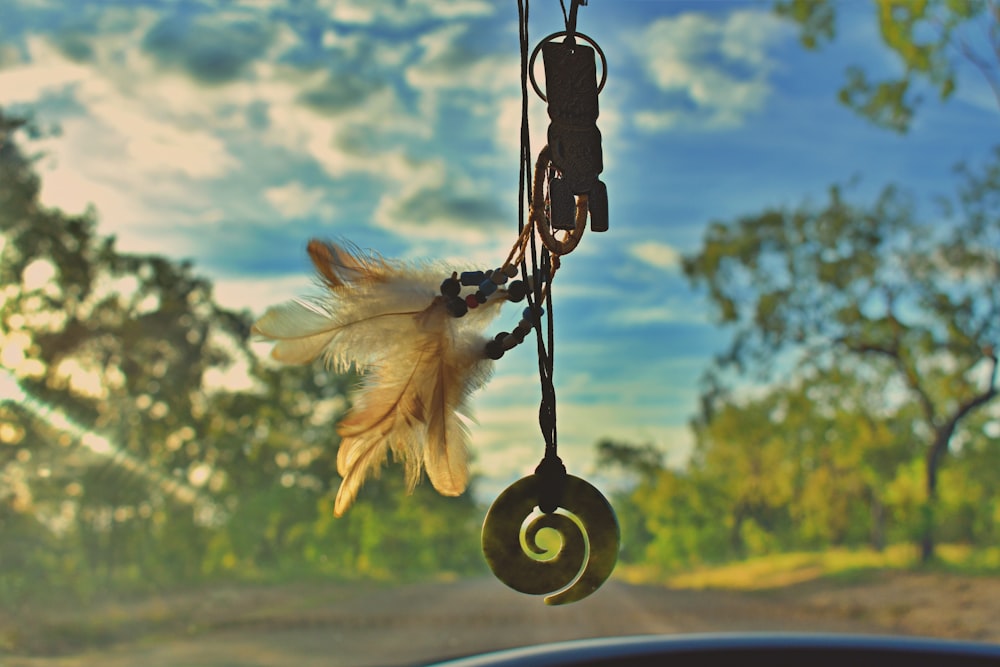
<point>417,335</point>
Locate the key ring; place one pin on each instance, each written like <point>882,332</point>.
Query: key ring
<point>589,40</point>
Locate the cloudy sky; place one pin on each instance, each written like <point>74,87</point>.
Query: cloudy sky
<point>232,132</point>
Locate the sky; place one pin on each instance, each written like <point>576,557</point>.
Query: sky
<point>230,133</point>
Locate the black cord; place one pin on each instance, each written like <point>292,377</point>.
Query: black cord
<point>570,19</point>
<point>551,471</point>
<point>524,175</point>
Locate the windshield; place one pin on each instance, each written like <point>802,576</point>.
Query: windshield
<point>778,363</point>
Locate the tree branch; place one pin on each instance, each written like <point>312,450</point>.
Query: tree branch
<point>912,381</point>
<point>974,402</point>
<point>942,436</point>
<point>984,68</point>
<point>893,351</point>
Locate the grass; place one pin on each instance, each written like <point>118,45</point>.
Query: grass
<point>845,565</point>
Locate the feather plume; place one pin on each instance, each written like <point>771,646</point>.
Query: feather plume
<point>421,364</point>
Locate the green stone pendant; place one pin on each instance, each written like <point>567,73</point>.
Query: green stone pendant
<point>587,530</point>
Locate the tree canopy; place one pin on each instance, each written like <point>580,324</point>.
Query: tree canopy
<point>850,405</point>
<point>143,445</point>
<point>825,461</point>
<point>930,39</point>
<point>868,287</point>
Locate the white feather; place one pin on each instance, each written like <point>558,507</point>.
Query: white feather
<point>422,364</point>
<point>301,329</point>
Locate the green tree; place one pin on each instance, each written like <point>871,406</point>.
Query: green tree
<point>973,500</point>
<point>746,455</point>
<point>686,517</point>
<point>104,361</point>
<point>642,461</point>
<point>642,465</point>
<point>805,463</point>
<point>143,444</point>
<point>929,39</point>
<point>843,285</point>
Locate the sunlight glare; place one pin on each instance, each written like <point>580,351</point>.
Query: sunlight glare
<point>10,390</point>
<point>177,488</point>
<point>38,274</point>
<point>12,352</point>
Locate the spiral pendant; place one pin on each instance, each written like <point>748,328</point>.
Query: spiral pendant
<point>585,557</point>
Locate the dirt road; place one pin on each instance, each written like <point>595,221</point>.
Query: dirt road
<point>360,626</point>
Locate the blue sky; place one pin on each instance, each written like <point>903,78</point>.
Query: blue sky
<point>232,132</point>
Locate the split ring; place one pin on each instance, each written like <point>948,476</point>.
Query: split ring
<point>534,54</point>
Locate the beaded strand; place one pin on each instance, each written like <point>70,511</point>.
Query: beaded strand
<point>488,283</point>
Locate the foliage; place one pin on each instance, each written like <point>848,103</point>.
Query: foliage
<point>143,445</point>
<point>868,287</point>
<point>837,564</point>
<point>930,38</point>
<point>818,464</point>
<point>645,460</point>
<point>851,408</point>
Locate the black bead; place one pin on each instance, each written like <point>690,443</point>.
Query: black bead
<point>456,306</point>
<point>516,290</point>
<point>494,349</point>
<point>470,278</point>
<point>450,287</point>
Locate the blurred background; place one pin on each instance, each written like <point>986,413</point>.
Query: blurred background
<point>779,363</point>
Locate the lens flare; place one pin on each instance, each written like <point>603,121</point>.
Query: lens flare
<point>95,443</point>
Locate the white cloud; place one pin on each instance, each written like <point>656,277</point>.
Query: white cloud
<point>368,12</point>
<point>656,254</point>
<point>438,204</point>
<point>77,172</point>
<point>147,145</point>
<point>657,121</point>
<point>165,152</point>
<point>355,140</point>
<point>507,444</point>
<point>713,71</point>
<point>152,145</point>
<point>293,200</point>
<point>165,142</point>
<point>446,65</point>
<point>127,147</point>
<point>258,294</point>
<point>662,314</point>
<point>46,73</point>
<point>648,404</point>
<point>507,136</point>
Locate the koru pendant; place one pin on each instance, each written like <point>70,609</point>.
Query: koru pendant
<point>586,525</point>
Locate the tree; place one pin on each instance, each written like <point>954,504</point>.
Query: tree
<point>928,37</point>
<point>108,353</point>
<point>807,462</point>
<point>143,444</point>
<point>642,461</point>
<point>856,286</point>
<point>642,466</point>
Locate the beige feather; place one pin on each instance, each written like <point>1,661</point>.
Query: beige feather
<point>387,319</point>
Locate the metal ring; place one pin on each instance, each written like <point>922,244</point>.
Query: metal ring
<point>538,47</point>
